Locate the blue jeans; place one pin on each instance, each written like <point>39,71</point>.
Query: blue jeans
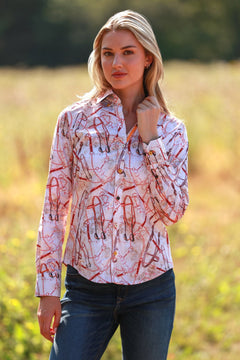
<point>91,313</point>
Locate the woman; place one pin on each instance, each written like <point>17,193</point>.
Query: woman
<point>121,158</point>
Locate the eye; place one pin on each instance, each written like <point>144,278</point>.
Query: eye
<point>128,52</point>
<point>107,53</point>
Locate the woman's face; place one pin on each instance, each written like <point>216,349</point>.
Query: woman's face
<point>123,61</point>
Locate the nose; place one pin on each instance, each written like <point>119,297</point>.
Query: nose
<point>117,61</point>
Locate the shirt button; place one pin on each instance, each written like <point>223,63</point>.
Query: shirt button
<point>118,197</point>
<point>115,253</point>
<point>120,171</point>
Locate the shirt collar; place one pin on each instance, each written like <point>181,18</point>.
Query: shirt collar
<point>108,98</point>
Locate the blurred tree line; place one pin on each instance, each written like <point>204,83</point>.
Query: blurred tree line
<point>60,32</point>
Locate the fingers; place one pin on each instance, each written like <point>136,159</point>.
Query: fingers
<point>150,100</point>
<point>56,321</point>
<point>148,113</point>
<point>149,103</point>
<point>49,310</point>
<point>44,320</point>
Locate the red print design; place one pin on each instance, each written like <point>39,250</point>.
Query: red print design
<point>122,193</point>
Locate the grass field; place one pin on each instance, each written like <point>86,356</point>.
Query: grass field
<point>205,243</point>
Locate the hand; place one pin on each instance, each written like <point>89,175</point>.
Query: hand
<point>148,113</point>
<point>49,308</point>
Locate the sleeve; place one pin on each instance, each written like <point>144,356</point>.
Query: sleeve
<point>167,163</point>
<point>55,210</point>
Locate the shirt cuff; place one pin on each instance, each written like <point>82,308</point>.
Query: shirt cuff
<point>48,285</point>
<point>156,152</point>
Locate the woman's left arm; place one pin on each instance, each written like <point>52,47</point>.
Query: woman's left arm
<point>166,156</point>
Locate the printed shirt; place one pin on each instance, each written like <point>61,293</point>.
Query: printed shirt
<point>122,192</point>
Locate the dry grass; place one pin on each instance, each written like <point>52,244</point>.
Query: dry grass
<point>205,243</point>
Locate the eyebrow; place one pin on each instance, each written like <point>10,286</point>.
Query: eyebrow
<point>123,48</point>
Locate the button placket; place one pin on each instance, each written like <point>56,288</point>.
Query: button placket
<point>121,163</point>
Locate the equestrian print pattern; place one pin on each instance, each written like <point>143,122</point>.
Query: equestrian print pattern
<point>123,193</point>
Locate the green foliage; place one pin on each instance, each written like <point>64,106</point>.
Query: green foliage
<point>19,332</point>
<point>205,243</point>
<point>58,32</point>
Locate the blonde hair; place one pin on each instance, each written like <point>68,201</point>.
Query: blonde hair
<point>142,30</point>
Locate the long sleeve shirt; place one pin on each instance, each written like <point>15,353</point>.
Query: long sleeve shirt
<point>123,193</point>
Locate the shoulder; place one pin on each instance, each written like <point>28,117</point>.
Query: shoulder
<point>172,131</point>
<point>77,107</point>
<point>169,123</point>
<point>77,112</point>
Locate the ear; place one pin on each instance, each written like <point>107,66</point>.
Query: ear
<point>148,60</point>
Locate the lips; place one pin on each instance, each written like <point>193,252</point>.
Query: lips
<point>118,75</point>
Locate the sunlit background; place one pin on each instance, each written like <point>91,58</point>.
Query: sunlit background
<point>44,46</point>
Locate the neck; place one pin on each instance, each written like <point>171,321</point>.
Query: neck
<point>130,100</point>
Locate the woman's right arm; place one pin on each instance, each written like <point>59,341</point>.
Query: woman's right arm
<point>55,210</point>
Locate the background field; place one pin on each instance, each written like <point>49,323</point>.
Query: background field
<point>205,243</point>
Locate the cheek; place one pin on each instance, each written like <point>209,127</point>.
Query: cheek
<point>138,71</point>
<point>137,65</point>
<point>105,66</point>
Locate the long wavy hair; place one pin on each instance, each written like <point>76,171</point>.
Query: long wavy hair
<point>142,30</point>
